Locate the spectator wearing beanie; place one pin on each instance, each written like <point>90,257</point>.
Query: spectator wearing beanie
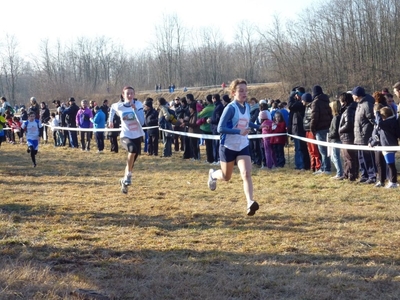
<point>364,121</point>
<point>321,116</point>
<point>315,162</point>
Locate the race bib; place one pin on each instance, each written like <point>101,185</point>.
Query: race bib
<point>242,124</point>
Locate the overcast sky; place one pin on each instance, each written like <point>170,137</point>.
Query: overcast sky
<point>130,22</point>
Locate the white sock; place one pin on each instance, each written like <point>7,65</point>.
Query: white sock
<point>249,202</point>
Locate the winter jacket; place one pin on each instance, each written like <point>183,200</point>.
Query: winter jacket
<point>217,113</point>
<point>280,128</point>
<point>206,113</point>
<point>69,115</point>
<point>296,116</point>
<point>333,134</point>
<point>151,119</point>
<point>192,124</point>
<point>254,111</point>
<point>321,113</point>
<point>307,117</point>
<point>364,120</point>
<point>346,124</point>
<point>44,115</point>
<point>83,118</point>
<point>385,133</point>
<point>99,119</point>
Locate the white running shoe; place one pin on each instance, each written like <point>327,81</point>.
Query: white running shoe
<point>124,187</point>
<point>212,183</point>
<point>391,185</point>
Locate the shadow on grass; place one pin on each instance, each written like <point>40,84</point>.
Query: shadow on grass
<point>189,274</point>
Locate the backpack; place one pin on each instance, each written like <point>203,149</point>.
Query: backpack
<point>172,116</point>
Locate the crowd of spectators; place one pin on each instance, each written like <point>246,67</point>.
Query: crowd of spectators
<point>352,118</point>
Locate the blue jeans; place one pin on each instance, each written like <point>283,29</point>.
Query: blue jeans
<point>325,159</point>
<point>167,141</point>
<point>337,161</point>
<point>298,155</point>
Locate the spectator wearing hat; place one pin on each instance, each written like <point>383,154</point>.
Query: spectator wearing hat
<point>364,121</point>
<point>151,119</point>
<point>296,127</point>
<point>315,161</point>
<point>321,117</point>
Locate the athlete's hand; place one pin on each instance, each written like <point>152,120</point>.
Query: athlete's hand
<point>244,131</point>
<point>110,125</point>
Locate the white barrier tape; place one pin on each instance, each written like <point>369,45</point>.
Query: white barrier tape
<point>251,136</point>
<point>196,135</point>
<point>89,129</point>
<point>347,146</point>
<point>217,136</point>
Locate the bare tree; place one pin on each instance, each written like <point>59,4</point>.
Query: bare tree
<point>11,67</point>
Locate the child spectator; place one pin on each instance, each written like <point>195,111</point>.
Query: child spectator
<point>57,134</point>
<point>278,142</point>
<point>16,129</point>
<point>32,128</point>
<point>267,129</point>
<point>386,133</point>
<point>333,137</point>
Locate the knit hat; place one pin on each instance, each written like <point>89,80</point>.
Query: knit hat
<point>148,103</point>
<point>263,115</point>
<point>306,97</point>
<point>358,91</point>
<point>316,90</point>
<point>263,101</point>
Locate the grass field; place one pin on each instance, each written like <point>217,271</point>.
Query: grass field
<point>65,228</point>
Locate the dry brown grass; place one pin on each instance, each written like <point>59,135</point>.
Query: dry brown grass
<point>65,226</point>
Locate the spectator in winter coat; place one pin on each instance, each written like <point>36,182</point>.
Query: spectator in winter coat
<point>35,108</point>
<point>69,118</point>
<point>83,121</point>
<point>151,119</point>
<point>205,127</point>
<point>295,127</point>
<point>44,119</point>
<point>278,142</point>
<point>315,161</point>
<point>254,144</point>
<point>333,137</point>
<point>346,135</point>
<point>364,122</point>
<point>321,116</point>
<point>214,120</point>
<point>386,133</point>
<point>99,122</point>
